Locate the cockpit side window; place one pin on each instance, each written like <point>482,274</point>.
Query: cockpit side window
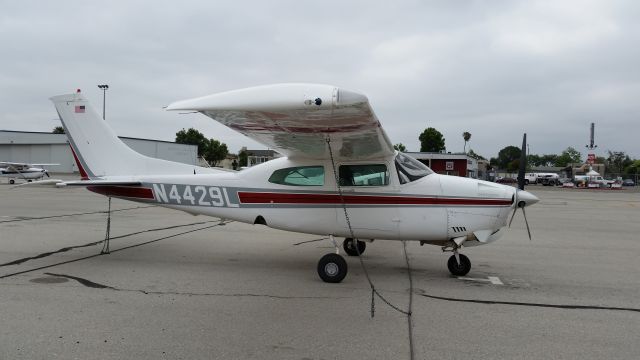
<point>410,169</point>
<point>364,175</point>
<point>299,176</point>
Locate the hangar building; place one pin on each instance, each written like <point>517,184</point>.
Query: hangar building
<point>43,147</point>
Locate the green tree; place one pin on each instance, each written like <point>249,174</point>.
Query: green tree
<point>466,136</point>
<point>431,140</point>
<point>474,155</point>
<point>508,158</point>
<point>242,158</point>
<point>400,147</point>
<point>534,160</point>
<point>193,137</point>
<point>549,159</point>
<point>633,168</point>
<point>215,151</point>
<point>58,130</point>
<point>568,156</point>
<point>617,161</point>
<point>542,160</point>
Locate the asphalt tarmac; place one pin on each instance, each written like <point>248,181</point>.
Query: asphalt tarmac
<point>177,286</point>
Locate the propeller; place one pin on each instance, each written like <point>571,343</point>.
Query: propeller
<point>47,173</point>
<point>521,197</point>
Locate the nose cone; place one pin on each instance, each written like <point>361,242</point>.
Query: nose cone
<point>526,197</point>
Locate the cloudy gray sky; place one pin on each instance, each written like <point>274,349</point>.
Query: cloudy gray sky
<point>493,68</point>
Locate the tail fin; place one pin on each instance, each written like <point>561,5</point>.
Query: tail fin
<point>99,151</point>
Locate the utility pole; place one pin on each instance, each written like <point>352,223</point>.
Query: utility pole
<point>591,157</point>
<point>104,88</point>
<point>591,144</point>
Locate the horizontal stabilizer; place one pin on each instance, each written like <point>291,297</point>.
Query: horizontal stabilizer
<point>81,183</point>
<point>47,182</point>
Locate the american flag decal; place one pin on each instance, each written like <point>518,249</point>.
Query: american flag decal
<point>79,108</point>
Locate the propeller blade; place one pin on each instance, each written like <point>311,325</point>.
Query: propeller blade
<point>523,163</point>
<point>513,215</point>
<point>526,222</point>
<point>515,208</point>
<point>47,173</point>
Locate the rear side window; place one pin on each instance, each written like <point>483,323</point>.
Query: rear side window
<point>299,176</point>
<point>364,175</point>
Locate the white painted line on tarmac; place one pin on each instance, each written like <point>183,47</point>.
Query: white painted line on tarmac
<point>491,279</point>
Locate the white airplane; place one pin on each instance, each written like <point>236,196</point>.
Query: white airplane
<point>29,172</point>
<point>339,176</point>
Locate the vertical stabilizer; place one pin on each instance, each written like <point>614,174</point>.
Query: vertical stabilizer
<point>100,152</point>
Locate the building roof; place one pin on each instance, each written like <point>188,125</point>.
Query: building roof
<point>40,137</point>
<point>271,153</point>
<point>440,156</point>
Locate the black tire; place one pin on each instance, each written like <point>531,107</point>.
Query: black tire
<point>12,181</point>
<point>332,268</point>
<point>461,269</point>
<point>526,181</point>
<point>350,249</point>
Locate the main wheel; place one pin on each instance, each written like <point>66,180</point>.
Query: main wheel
<point>461,269</point>
<point>332,268</point>
<point>12,181</point>
<point>349,247</point>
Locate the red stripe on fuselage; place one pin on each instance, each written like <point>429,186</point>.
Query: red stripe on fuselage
<point>284,198</point>
<point>123,191</point>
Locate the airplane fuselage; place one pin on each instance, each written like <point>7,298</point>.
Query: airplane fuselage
<point>25,173</point>
<point>434,208</point>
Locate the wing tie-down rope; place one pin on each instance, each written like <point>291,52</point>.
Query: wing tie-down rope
<point>374,291</point>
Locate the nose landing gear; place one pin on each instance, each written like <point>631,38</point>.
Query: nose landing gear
<point>459,265</point>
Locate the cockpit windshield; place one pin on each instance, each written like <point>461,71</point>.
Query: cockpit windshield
<point>410,169</point>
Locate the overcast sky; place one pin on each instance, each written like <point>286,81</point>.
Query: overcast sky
<point>493,68</point>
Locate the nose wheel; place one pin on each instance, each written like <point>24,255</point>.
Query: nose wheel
<point>459,265</point>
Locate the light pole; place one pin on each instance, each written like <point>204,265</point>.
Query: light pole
<point>104,88</point>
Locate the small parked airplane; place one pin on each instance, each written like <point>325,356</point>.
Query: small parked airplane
<point>339,176</point>
<point>29,172</point>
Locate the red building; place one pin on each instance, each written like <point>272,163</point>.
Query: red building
<point>449,164</point>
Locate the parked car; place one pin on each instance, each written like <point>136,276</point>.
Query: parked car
<point>628,182</point>
<point>507,181</point>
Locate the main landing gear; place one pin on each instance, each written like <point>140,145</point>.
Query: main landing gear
<point>349,246</point>
<point>332,268</point>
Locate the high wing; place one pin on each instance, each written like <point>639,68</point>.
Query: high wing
<point>5,163</point>
<point>297,119</point>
